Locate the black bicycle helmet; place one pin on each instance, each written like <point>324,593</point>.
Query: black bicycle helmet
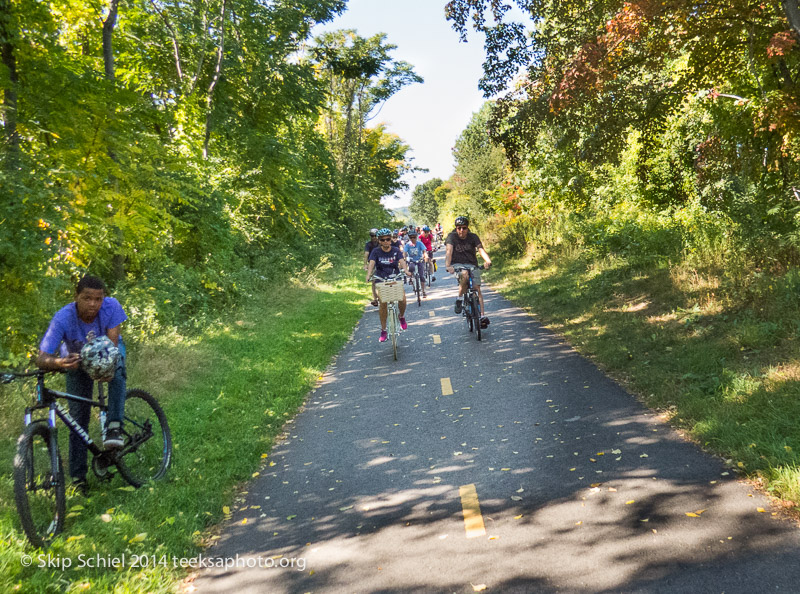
<point>462,221</point>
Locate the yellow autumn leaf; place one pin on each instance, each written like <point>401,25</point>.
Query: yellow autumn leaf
<point>139,537</point>
<point>226,510</point>
<point>692,515</point>
<point>760,510</point>
<point>478,587</point>
<point>264,455</point>
<point>629,502</point>
<point>518,517</point>
<point>244,521</point>
<point>76,537</point>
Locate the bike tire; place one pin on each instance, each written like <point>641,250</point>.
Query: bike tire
<point>476,315</point>
<point>418,289</point>
<point>147,449</point>
<point>392,328</point>
<point>39,488</point>
<point>468,314</point>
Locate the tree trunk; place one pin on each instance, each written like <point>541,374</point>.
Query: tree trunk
<point>792,10</point>
<point>108,32</point>
<point>118,259</point>
<point>215,80</point>
<point>7,36</point>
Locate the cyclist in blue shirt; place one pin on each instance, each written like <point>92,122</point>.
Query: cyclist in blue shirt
<point>417,257</point>
<point>92,314</point>
<point>385,261</point>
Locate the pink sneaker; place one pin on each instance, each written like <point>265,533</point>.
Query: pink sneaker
<point>403,324</point>
<point>384,336</point>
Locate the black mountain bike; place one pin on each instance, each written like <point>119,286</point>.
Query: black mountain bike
<point>39,487</point>
<point>471,308</point>
<point>418,281</point>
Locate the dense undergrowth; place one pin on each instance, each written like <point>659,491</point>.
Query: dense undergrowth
<point>697,321</point>
<point>227,387</point>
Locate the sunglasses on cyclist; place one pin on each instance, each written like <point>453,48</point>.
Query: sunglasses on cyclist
<point>461,227</point>
<point>384,239</point>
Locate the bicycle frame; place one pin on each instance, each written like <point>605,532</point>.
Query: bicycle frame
<point>48,398</point>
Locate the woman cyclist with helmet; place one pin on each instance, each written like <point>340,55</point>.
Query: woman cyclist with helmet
<point>462,246</point>
<point>84,340</point>
<point>385,261</point>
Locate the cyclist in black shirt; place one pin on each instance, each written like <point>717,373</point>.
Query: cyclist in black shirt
<point>462,246</point>
<point>368,247</point>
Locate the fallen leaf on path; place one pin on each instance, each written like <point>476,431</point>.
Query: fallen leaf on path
<point>479,587</point>
<point>629,502</point>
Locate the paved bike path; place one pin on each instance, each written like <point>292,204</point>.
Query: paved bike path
<point>382,482</point>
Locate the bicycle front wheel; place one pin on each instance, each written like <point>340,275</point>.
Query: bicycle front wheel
<point>147,449</point>
<point>393,331</point>
<point>39,487</point>
<point>418,289</point>
<point>476,315</point>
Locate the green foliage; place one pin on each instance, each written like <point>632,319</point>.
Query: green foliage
<point>189,167</point>
<point>479,162</point>
<point>425,204</point>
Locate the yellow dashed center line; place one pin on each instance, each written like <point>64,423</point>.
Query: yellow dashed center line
<point>447,387</point>
<point>431,314</point>
<point>473,520</point>
<point>437,339</point>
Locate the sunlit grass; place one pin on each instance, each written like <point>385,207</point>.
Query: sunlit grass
<point>718,355</point>
<point>227,394</point>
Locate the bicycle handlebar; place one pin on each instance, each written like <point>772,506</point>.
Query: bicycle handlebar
<point>7,378</point>
<point>396,277</point>
<point>458,267</point>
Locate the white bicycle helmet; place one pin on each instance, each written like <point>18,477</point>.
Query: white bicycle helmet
<point>99,358</point>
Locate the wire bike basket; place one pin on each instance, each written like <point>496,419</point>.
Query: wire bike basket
<point>390,291</point>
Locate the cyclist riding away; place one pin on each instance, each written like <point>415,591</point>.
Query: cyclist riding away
<point>417,257</point>
<point>385,261</point>
<point>91,316</point>
<point>426,237</point>
<point>368,247</point>
<point>462,246</point>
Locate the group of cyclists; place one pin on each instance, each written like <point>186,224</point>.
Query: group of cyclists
<point>411,250</point>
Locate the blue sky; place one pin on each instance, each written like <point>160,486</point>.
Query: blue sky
<point>429,116</point>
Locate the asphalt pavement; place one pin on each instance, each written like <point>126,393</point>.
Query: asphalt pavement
<point>509,465</point>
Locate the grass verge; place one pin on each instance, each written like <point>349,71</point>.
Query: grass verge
<point>227,394</point>
<point>720,360</point>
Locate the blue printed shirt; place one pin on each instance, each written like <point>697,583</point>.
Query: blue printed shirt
<point>415,252</point>
<point>67,332</point>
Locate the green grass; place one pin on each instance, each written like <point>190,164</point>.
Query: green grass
<point>720,359</point>
<point>227,394</point>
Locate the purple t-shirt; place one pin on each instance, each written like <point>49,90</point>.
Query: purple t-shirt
<point>386,262</point>
<point>67,332</point>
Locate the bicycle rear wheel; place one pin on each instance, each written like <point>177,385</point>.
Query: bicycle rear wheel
<point>418,288</point>
<point>468,313</point>
<point>147,449</point>
<point>39,488</point>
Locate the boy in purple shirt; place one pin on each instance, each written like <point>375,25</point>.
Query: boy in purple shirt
<point>91,312</point>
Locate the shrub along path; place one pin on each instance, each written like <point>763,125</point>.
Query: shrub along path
<point>227,393</point>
